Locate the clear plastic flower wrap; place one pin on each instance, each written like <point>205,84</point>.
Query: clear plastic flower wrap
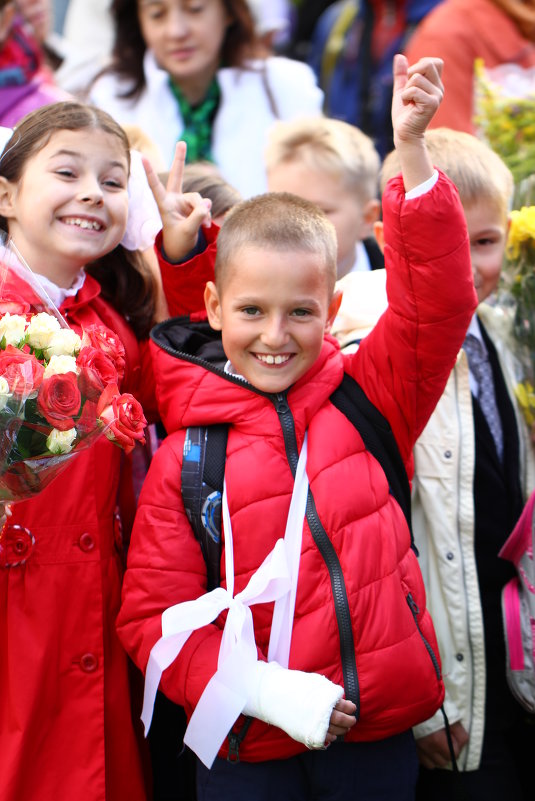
<point>516,302</point>
<point>58,387</point>
<point>505,114</point>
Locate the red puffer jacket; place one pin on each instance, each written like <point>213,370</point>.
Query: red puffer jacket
<point>360,615</point>
<point>65,711</point>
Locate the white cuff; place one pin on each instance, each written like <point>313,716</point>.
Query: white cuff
<point>299,703</point>
<point>422,188</point>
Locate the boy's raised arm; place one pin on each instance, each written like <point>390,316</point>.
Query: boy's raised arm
<point>417,94</point>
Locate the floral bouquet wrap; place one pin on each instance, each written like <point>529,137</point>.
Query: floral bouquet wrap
<point>58,388</point>
<point>516,300</point>
<point>505,114</point>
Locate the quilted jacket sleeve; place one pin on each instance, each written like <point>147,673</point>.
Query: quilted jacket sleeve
<point>403,365</point>
<point>183,284</point>
<point>166,567</point>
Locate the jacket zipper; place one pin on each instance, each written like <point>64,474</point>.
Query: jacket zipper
<point>326,549</point>
<point>413,606</point>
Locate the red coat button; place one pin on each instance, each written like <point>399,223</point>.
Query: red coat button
<point>89,663</point>
<point>86,542</point>
<point>16,545</point>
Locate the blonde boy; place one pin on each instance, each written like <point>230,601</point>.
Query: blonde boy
<point>348,637</point>
<point>336,166</point>
<point>468,492</point>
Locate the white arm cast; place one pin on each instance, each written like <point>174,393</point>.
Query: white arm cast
<point>299,703</point>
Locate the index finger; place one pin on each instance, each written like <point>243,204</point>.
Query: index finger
<point>156,186</point>
<point>176,173</point>
<point>428,66</point>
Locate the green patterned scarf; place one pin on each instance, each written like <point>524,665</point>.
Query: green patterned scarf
<point>198,121</point>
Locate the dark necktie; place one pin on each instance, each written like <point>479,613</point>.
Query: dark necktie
<point>482,371</point>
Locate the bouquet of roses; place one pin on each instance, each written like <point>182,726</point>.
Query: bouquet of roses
<point>58,389</point>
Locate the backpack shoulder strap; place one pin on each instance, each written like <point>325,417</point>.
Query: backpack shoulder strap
<point>379,439</point>
<point>203,470</point>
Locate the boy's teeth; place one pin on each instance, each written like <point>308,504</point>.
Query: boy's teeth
<point>269,359</point>
<point>92,224</point>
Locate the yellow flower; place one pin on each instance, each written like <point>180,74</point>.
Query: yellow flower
<point>522,229</point>
<point>525,395</point>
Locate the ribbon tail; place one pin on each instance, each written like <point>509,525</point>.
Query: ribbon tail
<point>163,653</point>
<point>218,708</point>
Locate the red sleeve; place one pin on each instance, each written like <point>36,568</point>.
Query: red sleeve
<point>405,362</point>
<point>183,284</point>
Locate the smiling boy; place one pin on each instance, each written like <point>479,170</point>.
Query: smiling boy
<point>338,653</point>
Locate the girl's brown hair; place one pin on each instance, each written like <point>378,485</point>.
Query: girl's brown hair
<point>125,279</point>
<point>240,43</point>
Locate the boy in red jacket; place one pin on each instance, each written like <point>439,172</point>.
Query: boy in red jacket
<point>318,630</point>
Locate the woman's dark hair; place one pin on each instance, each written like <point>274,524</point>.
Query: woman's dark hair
<point>123,275</point>
<point>240,43</point>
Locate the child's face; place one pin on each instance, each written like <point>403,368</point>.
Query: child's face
<point>186,38</point>
<point>273,311</point>
<point>352,219</point>
<point>487,233</point>
<point>71,204</point>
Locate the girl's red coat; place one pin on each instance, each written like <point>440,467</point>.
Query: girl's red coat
<point>66,730</point>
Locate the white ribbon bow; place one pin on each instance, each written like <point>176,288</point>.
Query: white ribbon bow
<point>228,690</point>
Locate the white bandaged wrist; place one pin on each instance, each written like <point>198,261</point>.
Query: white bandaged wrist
<point>299,703</point>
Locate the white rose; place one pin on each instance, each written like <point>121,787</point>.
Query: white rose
<point>59,442</point>
<point>64,342</point>
<point>5,394</point>
<point>40,330</point>
<point>12,327</point>
<point>60,364</point>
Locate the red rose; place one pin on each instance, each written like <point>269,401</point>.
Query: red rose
<point>59,400</point>
<point>124,417</point>
<point>98,336</point>
<point>23,372</point>
<point>96,371</point>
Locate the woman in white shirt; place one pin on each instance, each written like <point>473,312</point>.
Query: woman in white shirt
<point>195,70</point>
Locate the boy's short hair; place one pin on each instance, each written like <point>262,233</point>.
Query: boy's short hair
<point>329,145</point>
<point>277,221</point>
<point>476,170</point>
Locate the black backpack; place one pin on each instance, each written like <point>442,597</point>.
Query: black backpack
<point>203,468</point>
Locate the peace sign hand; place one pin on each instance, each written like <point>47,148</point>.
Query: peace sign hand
<point>182,213</point>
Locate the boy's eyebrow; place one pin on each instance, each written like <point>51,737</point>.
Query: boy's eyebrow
<point>296,302</point>
<point>77,155</point>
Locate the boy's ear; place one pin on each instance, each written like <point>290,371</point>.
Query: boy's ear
<point>213,306</point>
<point>370,213</point>
<point>334,306</point>
<point>379,234</point>
<point>372,210</point>
<point>7,194</point>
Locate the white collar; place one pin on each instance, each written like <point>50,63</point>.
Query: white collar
<point>58,294</point>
